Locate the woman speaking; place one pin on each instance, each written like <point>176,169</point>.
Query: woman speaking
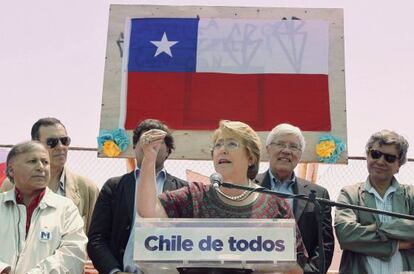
<point>236,155</point>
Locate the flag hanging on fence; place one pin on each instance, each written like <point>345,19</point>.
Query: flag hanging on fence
<point>192,72</point>
<point>3,158</point>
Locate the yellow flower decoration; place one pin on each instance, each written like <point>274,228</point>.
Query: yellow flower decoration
<point>113,142</point>
<point>111,149</point>
<point>329,148</point>
<point>325,149</point>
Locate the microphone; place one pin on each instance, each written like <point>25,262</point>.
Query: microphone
<point>216,179</point>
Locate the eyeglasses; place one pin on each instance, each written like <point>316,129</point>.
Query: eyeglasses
<point>281,145</point>
<point>53,142</point>
<point>376,154</point>
<point>229,144</point>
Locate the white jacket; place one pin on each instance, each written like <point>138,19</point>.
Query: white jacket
<point>55,242</point>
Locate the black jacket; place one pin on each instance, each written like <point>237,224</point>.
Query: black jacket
<point>111,220</point>
<point>306,220</point>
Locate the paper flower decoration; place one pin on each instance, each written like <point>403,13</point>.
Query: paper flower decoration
<point>329,148</point>
<point>110,149</point>
<point>113,142</point>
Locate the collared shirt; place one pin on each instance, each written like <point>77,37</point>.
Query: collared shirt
<point>32,205</point>
<point>56,228</point>
<point>129,264</point>
<point>61,187</point>
<point>284,187</point>
<point>395,264</point>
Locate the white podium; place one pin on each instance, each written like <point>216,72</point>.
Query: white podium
<point>261,245</point>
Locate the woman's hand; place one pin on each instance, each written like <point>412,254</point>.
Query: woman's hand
<point>148,204</point>
<point>150,142</point>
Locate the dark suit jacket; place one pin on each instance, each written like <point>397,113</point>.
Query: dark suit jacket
<point>306,220</point>
<point>111,220</point>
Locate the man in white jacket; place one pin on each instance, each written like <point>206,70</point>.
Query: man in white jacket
<point>41,231</point>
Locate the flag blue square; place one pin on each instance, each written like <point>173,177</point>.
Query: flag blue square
<point>180,36</point>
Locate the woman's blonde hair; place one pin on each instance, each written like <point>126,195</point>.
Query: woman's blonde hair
<point>247,136</point>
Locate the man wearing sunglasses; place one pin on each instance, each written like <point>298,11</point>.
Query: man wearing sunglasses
<point>284,145</point>
<point>82,191</point>
<point>374,243</point>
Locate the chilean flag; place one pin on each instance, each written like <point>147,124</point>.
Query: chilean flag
<point>3,158</point>
<point>192,72</point>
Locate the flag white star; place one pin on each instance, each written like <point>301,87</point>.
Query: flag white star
<point>164,45</point>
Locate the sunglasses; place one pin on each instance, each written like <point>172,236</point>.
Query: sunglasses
<point>376,154</point>
<point>53,142</point>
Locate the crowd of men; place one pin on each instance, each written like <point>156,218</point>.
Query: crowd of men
<point>62,217</point>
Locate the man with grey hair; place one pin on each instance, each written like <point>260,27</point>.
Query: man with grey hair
<point>284,145</point>
<point>374,243</point>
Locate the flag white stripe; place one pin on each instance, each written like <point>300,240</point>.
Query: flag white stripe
<point>263,46</point>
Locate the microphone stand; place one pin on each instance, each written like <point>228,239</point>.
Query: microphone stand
<point>318,209</point>
<point>319,205</point>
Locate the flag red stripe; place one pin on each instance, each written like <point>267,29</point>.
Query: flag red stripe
<point>2,172</point>
<point>197,101</point>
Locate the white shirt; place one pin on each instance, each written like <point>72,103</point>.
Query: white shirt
<point>55,242</point>
<point>61,187</point>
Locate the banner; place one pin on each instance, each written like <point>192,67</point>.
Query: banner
<point>197,240</point>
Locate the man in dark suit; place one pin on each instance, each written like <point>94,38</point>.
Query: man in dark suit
<point>110,245</point>
<point>284,145</point>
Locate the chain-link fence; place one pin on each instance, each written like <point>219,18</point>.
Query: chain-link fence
<point>84,161</point>
<point>331,176</point>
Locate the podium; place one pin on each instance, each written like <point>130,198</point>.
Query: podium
<point>260,245</point>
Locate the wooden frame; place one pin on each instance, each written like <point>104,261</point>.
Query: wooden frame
<point>195,145</point>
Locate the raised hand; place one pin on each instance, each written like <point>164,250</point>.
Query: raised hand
<point>150,142</point>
